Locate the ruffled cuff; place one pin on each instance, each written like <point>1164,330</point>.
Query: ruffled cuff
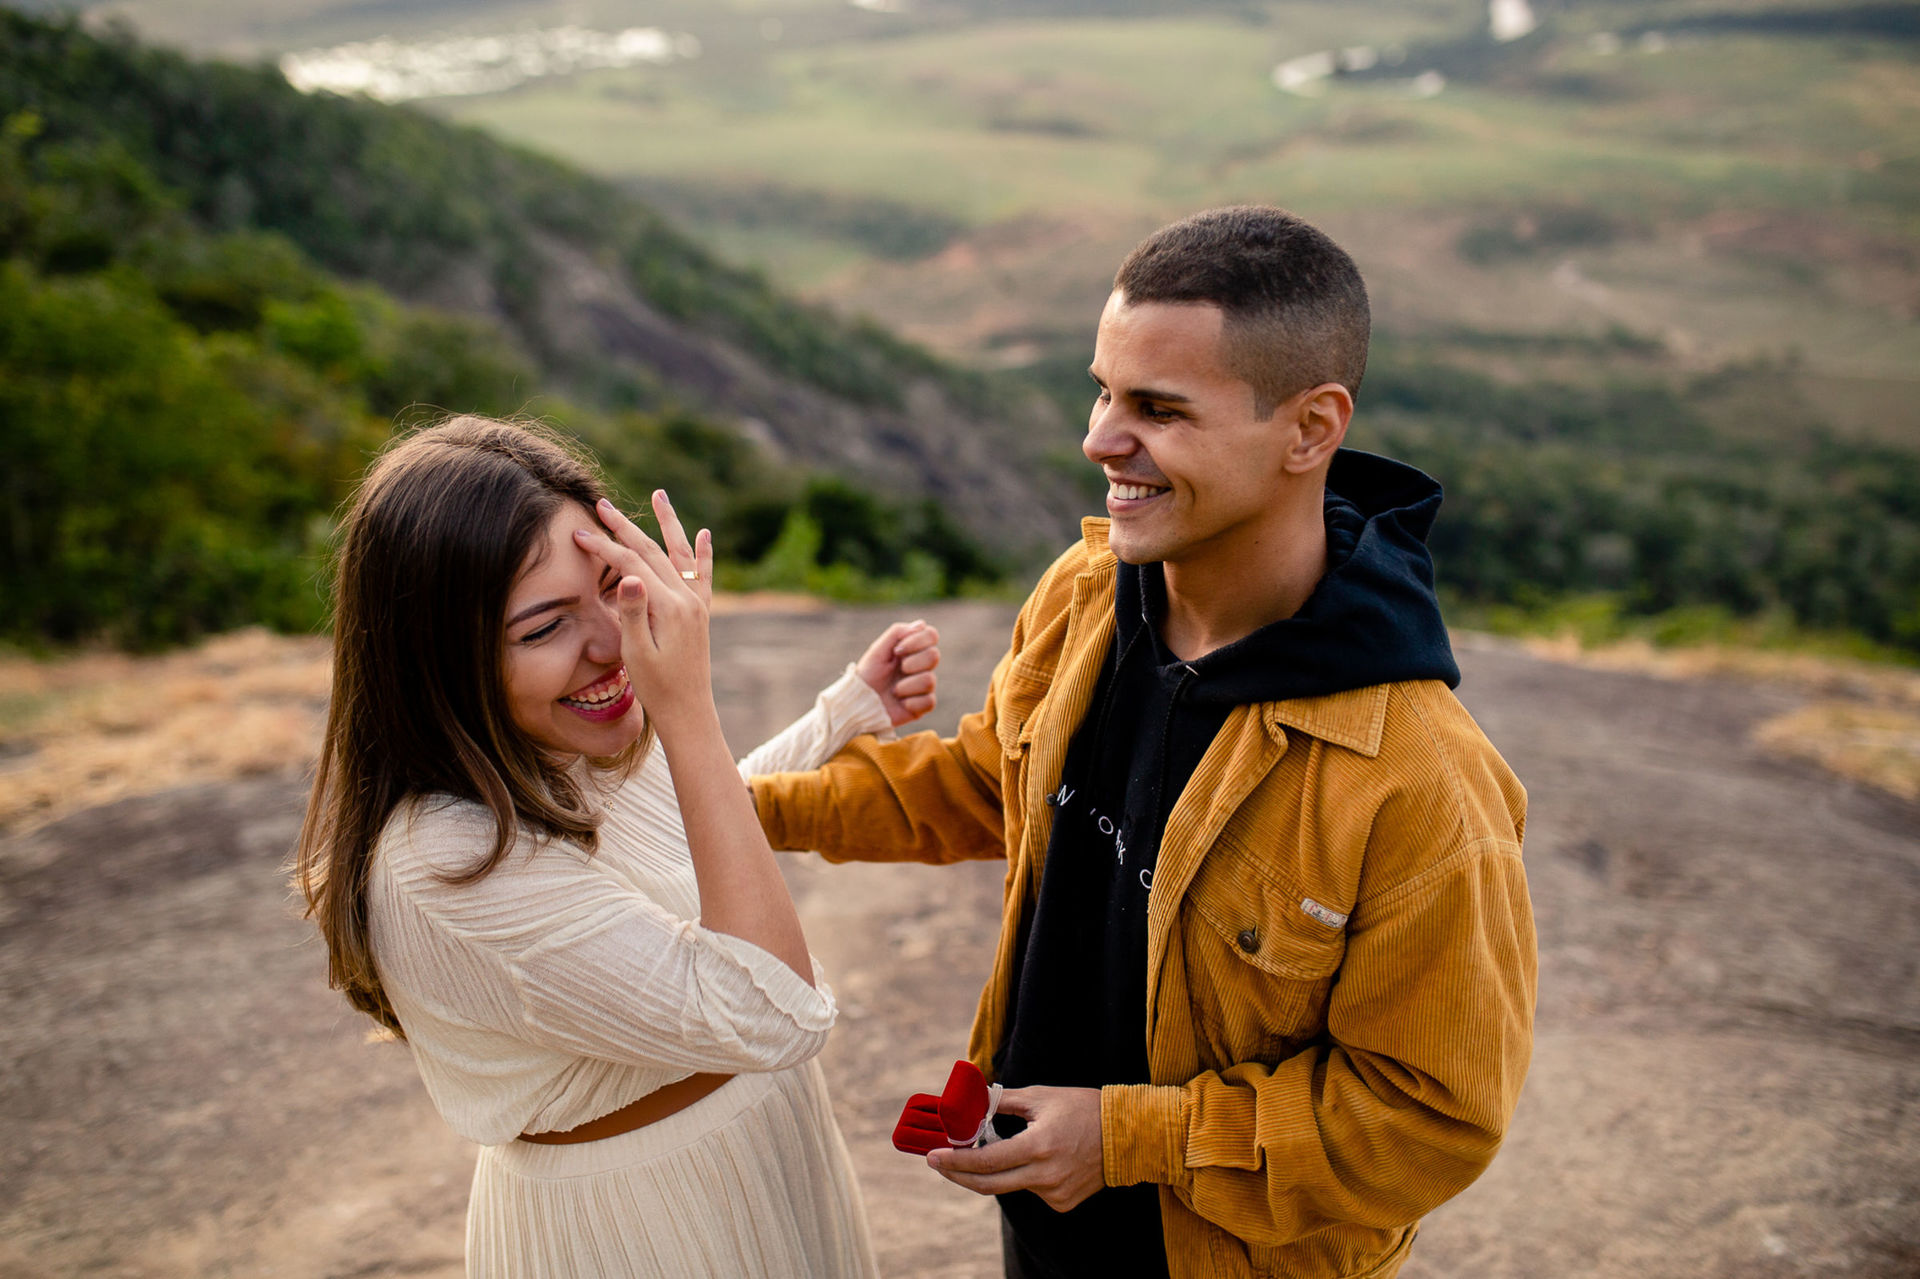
<point>843,711</point>
<point>853,704</point>
<point>810,1008</point>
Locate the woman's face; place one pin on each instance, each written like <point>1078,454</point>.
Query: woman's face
<point>566,688</point>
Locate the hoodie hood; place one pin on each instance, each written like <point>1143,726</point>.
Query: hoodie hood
<point>1373,619</point>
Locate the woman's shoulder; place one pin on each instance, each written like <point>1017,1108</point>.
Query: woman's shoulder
<point>643,790</point>
<point>422,822</point>
<point>429,838</point>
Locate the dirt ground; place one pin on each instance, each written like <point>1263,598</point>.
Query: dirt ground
<point>1726,1080</point>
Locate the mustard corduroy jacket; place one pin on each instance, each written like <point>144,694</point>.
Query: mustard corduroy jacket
<point>1341,965</point>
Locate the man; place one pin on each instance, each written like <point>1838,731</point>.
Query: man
<point>1265,981</point>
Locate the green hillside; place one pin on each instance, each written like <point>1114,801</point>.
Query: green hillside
<point>373,192</point>
<point>187,390</point>
<point>1662,377</point>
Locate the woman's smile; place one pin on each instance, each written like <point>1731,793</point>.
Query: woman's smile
<point>607,698</point>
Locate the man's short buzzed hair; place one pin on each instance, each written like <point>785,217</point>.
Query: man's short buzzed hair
<point>1296,309</point>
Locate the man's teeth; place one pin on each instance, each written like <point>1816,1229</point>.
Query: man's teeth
<point>1132,492</point>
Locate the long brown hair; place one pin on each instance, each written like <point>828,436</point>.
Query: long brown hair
<point>430,547</point>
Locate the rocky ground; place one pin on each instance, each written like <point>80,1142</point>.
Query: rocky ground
<point>1726,1081</point>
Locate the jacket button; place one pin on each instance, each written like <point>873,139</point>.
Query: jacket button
<point>1249,940</point>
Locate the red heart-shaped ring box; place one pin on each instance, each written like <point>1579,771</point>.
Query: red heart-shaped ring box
<point>951,1119</point>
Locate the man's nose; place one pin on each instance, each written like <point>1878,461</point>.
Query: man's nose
<point>1108,435</point>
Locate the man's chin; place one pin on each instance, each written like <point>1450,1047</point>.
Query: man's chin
<point>1134,551</point>
<point>1131,548</point>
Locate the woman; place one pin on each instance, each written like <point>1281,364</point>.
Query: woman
<point>589,948</point>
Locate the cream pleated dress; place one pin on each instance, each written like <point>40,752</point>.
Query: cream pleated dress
<point>564,985</point>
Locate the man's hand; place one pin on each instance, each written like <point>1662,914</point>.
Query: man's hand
<point>1058,1156</point>
<point>899,666</point>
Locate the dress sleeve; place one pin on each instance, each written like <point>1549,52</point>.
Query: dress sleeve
<point>845,709</point>
<point>599,969</point>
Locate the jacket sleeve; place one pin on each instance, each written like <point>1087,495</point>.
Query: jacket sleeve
<point>844,710</point>
<point>1398,1107</point>
<point>921,798</point>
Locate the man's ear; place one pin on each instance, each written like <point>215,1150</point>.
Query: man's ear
<point>1322,414</point>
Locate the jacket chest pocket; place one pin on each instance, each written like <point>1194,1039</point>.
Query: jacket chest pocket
<point>1259,965</point>
<point>1018,695</point>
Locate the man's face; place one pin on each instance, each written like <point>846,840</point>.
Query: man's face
<point>1191,473</point>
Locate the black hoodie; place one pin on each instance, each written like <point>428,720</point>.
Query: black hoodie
<point>1078,1013</point>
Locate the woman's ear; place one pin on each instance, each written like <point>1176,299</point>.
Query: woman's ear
<point>1322,418</point>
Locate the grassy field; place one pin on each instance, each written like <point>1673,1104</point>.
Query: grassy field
<point>1738,193</point>
<point>1748,193</point>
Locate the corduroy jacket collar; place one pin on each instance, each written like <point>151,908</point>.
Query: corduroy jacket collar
<point>1354,719</point>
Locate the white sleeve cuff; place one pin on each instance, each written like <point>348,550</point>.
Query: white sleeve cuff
<point>855,701</point>
<point>843,711</point>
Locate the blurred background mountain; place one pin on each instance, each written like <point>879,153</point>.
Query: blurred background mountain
<point>1646,278</point>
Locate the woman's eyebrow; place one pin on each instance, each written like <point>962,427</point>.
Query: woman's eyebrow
<point>541,607</point>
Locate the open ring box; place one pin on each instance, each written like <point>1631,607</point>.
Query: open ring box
<point>962,1115</point>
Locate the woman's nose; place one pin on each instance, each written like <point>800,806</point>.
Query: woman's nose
<point>603,639</point>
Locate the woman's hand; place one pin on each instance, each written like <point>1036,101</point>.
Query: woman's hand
<point>899,666</point>
<point>663,612</point>
<point>663,597</point>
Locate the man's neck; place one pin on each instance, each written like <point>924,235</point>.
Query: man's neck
<point>1228,591</point>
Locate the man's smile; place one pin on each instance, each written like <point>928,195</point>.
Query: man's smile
<point>1129,495</point>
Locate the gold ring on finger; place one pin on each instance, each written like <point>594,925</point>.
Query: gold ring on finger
<point>689,574</point>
